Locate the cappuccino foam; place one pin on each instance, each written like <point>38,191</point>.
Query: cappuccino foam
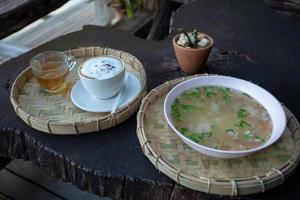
<point>101,67</point>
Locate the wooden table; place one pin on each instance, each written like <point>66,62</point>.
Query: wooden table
<point>252,42</point>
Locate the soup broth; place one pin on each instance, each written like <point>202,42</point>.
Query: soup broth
<point>221,118</point>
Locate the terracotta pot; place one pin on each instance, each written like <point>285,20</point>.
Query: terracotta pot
<point>192,60</point>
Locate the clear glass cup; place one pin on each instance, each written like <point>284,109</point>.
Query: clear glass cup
<point>51,69</point>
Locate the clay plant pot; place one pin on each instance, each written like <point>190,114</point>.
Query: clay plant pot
<point>192,60</point>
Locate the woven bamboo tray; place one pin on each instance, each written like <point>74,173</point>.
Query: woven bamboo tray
<point>252,174</point>
<point>56,114</point>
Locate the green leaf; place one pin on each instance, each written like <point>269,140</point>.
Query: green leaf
<point>129,8</point>
<point>199,137</point>
<point>226,97</point>
<point>229,130</point>
<point>186,95</point>
<point>175,112</point>
<point>245,94</point>
<point>242,113</point>
<point>206,134</point>
<point>177,102</point>
<point>184,131</point>
<point>138,3</point>
<point>248,137</point>
<point>226,93</point>
<point>189,94</point>
<point>261,140</point>
<point>208,90</point>
<point>242,124</point>
<point>196,137</point>
<point>186,107</point>
<point>213,126</point>
<point>269,134</point>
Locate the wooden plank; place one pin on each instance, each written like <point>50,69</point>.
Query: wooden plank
<point>25,14</point>
<point>162,17</point>
<point>287,8</point>
<point>133,24</point>
<point>287,5</point>
<point>3,162</point>
<point>62,20</point>
<point>103,13</point>
<point>17,188</point>
<point>150,4</point>
<point>38,176</point>
<point>8,51</point>
<point>69,18</point>
<point>3,59</point>
<point>4,197</point>
<point>8,5</point>
<point>183,1</point>
<point>11,51</point>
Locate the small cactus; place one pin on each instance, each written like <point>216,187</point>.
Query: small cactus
<point>192,40</point>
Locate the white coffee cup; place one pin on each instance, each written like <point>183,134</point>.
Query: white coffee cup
<point>102,76</point>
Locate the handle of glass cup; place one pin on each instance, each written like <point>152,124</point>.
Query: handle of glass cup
<point>71,62</point>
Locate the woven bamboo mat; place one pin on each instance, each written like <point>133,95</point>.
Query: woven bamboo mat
<point>170,155</point>
<point>56,114</point>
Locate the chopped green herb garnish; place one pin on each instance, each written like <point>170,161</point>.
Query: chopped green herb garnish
<point>186,107</point>
<point>260,139</point>
<point>213,126</point>
<point>196,137</point>
<point>242,113</point>
<point>242,124</point>
<point>199,137</point>
<point>247,95</point>
<point>206,134</point>
<point>175,112</point>
<point>248,137</point>
<point>226,93</point>
<point>269,134</point>
<point>229,130</point>
<point>209,91</point>
<point>186,95</point>
<point>176,102</point>
<point>184,131</point>
<point>226,97</point>
<point>189,94</point>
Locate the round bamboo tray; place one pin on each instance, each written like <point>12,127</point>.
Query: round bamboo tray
<point>56,114</point>
<point>170,155</point>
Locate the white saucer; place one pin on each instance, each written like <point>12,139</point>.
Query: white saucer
<point>84,101</point>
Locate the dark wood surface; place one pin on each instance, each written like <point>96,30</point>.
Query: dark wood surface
<point>3,162</point>
<point>251,42</point>
<point>287,8</point>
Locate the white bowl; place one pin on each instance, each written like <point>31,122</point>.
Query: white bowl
<point>266,99</point>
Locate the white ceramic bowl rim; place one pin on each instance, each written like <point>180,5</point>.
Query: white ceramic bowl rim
<point>267,100</point>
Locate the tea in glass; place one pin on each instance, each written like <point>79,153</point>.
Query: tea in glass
<point>51,69</point>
